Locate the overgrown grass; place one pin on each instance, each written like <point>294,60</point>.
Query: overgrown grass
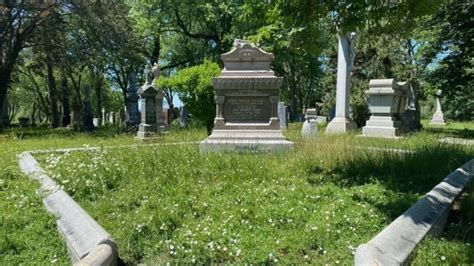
<point>312,205</point>
<point>315,204</point>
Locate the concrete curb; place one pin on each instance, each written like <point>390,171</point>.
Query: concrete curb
<point>457,141</point>
<point>87,242</point>
<point>394,244</point>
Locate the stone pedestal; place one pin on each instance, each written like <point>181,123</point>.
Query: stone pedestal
<point>310,125</point>
<point>247,94</point>
<point>345,56</point>
<point>438,116</point>
<point>386,99</point>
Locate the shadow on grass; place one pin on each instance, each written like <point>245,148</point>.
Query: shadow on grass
<point>407,175</point>
<point>457,133</point>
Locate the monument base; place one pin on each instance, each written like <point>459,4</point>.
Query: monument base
<point>340,125</point>
<point>438,119</point>
<point>382,126</point>
<point>146,133</point>
<point>245,141</point>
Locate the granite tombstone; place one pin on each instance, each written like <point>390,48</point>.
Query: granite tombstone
<point>247,94</point>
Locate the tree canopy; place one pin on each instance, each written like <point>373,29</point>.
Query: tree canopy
<point>69,53</point>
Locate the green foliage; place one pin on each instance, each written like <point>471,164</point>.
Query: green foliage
<point>294,207</point>
<point>449,55</point>
<point>195,90</point>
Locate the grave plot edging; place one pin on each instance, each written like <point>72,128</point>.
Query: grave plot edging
<point>394,244</point>
<point>87,242</point>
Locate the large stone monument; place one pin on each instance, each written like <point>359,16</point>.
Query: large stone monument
<point>438,116</point>
<point>151,107</point>
<point>247,94</point>
<point>345,58</point>
<point>387,102</point>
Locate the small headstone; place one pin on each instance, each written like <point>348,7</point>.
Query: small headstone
<point>310,126</point>
<point>103,116</point>
<point>183,117</point>
<point>283,115</point>
<point>438,116</point>
<point>247,94</point>
<point>96,122</point>
<point>24,121</point>
<point>111,116</point>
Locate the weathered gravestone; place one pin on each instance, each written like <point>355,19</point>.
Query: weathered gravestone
<point>283,115</point>
<point>151,109</point>
<point>111,117</point>
<point>310,125</point>
<point>96,121</point>
<point>183,117</point>
<point>131,104</point>
<point>387,101</point>
<point>247,94</point>
<point>438,116</point>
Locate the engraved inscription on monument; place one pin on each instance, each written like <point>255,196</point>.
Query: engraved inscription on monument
<point>247,109</point>
<point>247,94</point>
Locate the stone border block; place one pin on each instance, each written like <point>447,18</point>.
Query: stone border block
<point>394,244</point>
<point>87,242</point>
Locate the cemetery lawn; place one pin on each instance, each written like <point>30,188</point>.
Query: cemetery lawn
<point>28,234</point>
<point>315,204</point>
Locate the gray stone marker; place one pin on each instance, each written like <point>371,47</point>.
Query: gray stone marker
<point>438,116</point>
<point>310,125</point>
<point>96,121</point>
<point>247,94</point>
<point>183,117</point>
<point>111,117</point>
<point>345,58</point>
<point>386,104</point>
<point>283,115</point>
<point>103,116</point>
<point>131,104</point>
<point>151,109</point>
<point>411,117</point>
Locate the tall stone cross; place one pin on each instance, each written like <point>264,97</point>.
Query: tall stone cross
<point>345,60</point>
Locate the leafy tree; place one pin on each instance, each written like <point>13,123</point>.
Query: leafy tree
<point>448,56</point>
<point>195,90</point>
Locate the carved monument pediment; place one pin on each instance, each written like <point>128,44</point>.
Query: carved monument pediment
<point>246,56</point>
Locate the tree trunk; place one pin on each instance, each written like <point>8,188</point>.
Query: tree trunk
<point>65,102</point>
<point>55,117</point>
<point>5,78</point>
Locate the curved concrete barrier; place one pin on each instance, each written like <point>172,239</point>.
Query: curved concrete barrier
<point>394,244</point>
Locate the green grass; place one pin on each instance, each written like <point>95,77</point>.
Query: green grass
<point>312,205</point>
<point>169,203</point>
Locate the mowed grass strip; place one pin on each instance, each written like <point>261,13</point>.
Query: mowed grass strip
<point>312,205</point>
